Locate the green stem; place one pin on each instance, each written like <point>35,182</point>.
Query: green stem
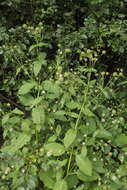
<point>69,162</point>
<point>77,122</point>
<point>78,119</point>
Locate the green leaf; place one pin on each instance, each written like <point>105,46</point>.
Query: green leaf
<point>72,114</point>
<point>87,178</point>
<point>27,99</point>
<point>62,163</point>
<point>25,126</point>
<point>17,111</point>
<point>41,44</point>
<point>59,174</point>
<point>26,87</point>
<point>54,149</point>
<point>69,138</point>
<point>122,171</point>
<point>48,178</point>
<point>36,101</point>
<point>98,166</point>
<point>87,112</point>
<point>59,115</point>
<point>5,118</point>
<point>102,133</point>
<point>122,83</point>
<point>72,181</point>
<point>121,140</point>
<point>38,63</point>
<point>124,149</point>
<point>72,105</point>
<point>107,92</point>
<point>21,188</point>
<point>52,138</point>
<point>51,87</point>
<point>61,185</point>
<point>37,67</point>
<point>31,182</point>
<point>38,115</point>
<point>84,165</point>
<point>17,143</point>
<point>84,151</point>
<point>58,130</point>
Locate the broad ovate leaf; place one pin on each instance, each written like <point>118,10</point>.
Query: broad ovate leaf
<point>26,99</point>
<point>51,87</point>
<point>17,143</point>
<point>26,87</point>
<point>38,115</point>
<point>61,185</point>
<point>84,165</point>
<point>72,181</point>
<point>47,177</point>
<point>54,149</point>
<point>69,138</point>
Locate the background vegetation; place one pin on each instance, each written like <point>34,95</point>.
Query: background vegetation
<point>63,109</point>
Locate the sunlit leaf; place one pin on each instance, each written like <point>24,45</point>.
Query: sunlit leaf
<point>41,44</point>
<point>51,87</point>
<point>72,181</point>
<point>69,137</point>
<point>55,149</point>
<point>17,111</point>
<point>38,115</point>
<point>26,87</point>
<point>84,165</point>
<point>48,178</point>
<point>84,151</point>
<point>61,185</point>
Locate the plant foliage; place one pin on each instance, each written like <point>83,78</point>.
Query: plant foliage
<point>63,109</point>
